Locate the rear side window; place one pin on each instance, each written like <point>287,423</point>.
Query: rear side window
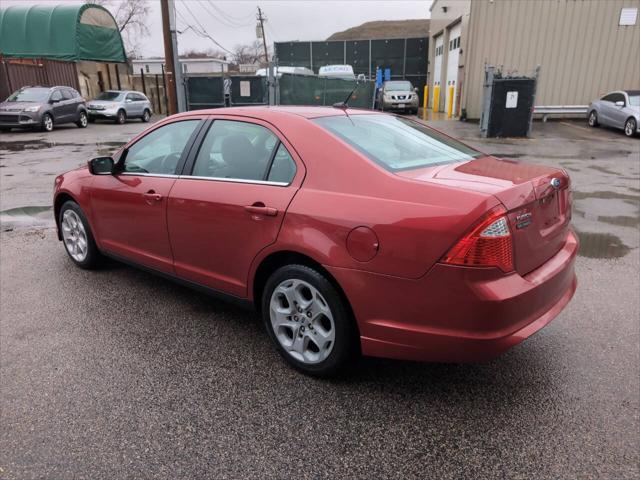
<point>241,151</point>
<point>283,168</point>
<point>396,143</point>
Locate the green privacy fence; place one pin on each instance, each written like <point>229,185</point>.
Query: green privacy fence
<point>208,91</point>
<point>312,90</point>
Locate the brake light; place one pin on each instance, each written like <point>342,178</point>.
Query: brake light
<point>489,244</point>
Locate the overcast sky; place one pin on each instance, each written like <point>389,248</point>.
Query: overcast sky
<point>233,22</point>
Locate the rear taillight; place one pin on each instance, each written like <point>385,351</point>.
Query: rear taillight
<point>488,244</point>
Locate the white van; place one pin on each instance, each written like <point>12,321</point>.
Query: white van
<point>337,71</point>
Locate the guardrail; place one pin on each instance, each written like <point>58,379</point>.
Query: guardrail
<point>547,110</point>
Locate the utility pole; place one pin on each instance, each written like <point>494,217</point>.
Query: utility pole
<point>175,87</point>
<point>168,59</point>
<point>261,19</point>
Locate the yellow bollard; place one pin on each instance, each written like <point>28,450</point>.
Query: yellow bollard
<point>425,101</point>
<point>436,98</point>
<point>450,102</point>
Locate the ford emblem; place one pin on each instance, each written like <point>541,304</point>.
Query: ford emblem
<point>555,183</point>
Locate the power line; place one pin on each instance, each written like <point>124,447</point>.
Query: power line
<point>203,32</point>
<point>223,18</point>
<point>228,16</point>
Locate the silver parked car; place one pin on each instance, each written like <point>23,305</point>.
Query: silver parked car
<point>398,95</point>
<point>617,109</point>
<point>42,107</point>
<point>119,105</point>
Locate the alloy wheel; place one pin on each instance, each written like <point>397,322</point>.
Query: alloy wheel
<point>302,321</point>
<point>629,128</point>
<point>48,123</point>
<point>83,120</point>
<point>74,235</point>
<point>592,119</point>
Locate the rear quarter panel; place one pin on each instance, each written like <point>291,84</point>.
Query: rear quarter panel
<point>416,222</point>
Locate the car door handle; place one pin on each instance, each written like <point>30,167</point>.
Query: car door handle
<point>152,196</point>
<point>259,208</point>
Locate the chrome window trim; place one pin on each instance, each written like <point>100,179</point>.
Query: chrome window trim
<point>235,180</point>
<point>216,179</point>
<point>136,174</point>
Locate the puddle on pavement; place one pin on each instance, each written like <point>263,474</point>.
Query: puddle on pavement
<point>603,170</point>
<point>606,195</point>
<point>39,144</point>
<point>32,216</point>
<point>601,245</point>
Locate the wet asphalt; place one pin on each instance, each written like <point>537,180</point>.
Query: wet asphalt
<point>120,374</point>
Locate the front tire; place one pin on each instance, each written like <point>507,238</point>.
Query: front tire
<point>308,321</point>
<point>593,119</point>
<point>121,117</point>
<point>47,122</point>
<point>77,237</point>
<point>83,120</point>
<point>630,127</point>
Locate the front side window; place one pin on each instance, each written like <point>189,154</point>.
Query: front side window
<point>56,96</point>
<point>66,94</point>
<point>397,143</point>
<point>237,150</point>
<point>159,152</point>
<point>609,98</point>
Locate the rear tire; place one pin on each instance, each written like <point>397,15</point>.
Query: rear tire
<point>308,321</point>
<point>593,119</point>
<point>121,117</point>
<point>630,127</point>
<point>146,116</point>
<point>83,120</point>
<point>47,122</point>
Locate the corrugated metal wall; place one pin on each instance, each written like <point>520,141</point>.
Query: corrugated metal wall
<point>582,51</point>
<point>17,73</point>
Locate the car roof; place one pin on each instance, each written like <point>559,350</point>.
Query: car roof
<point>632,92</point>
<point>264,112</point>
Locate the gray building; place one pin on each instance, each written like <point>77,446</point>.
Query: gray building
<point>584,48</point>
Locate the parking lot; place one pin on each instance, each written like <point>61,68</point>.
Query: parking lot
<point>121,374</point>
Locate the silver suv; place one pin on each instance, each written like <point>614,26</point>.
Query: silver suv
<point>118,105</point>
<point>42,107</point>
<point>398,95</point>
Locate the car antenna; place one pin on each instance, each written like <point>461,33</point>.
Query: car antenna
<point>345,104</point>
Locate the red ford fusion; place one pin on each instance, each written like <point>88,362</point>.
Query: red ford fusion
<point>351,232</point>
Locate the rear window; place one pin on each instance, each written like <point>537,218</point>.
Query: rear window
<point>396,143</point>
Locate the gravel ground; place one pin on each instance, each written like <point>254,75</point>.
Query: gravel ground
<point>120,374</point>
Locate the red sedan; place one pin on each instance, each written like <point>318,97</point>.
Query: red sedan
<point>350,231</point>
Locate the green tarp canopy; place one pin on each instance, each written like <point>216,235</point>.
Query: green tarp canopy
<point>60,32</point>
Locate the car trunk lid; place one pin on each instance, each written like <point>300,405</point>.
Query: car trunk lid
<point>537,199</point>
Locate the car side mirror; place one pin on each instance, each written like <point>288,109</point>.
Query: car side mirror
<point>129,100</point>
<point>361,78</point>
<point>101,166</point>
<point>619,103</point>
<point>415,89</point>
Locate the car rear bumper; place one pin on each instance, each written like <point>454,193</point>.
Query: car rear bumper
<point>457,314</point>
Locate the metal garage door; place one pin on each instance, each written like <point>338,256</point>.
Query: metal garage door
<point>452,64</point>
<point>437,64</point>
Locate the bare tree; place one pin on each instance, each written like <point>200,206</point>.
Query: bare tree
<point>131,18</point>
<point>251,53</point>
